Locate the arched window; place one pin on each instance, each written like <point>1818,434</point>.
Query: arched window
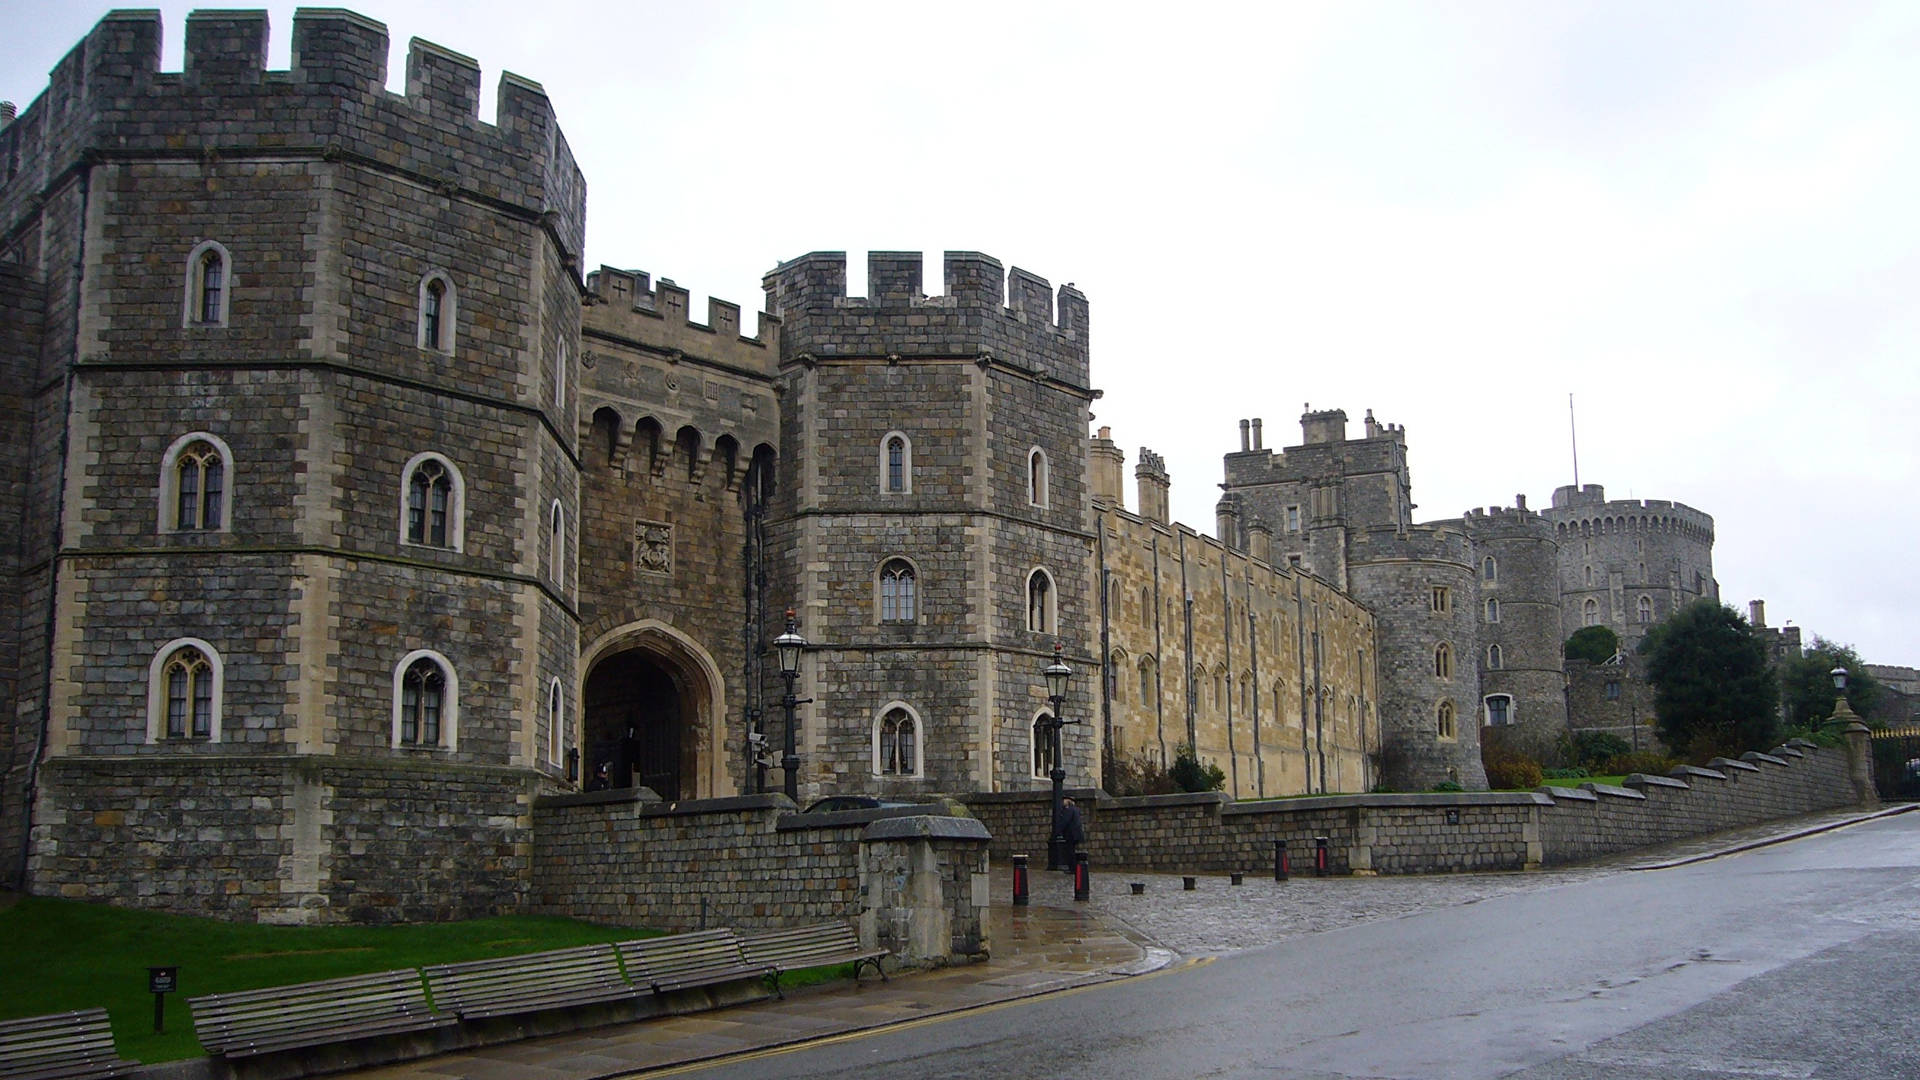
<point>426,702</point>
<point>1444,725</point>
<point>560,364</point>
<point>1115,663</point>
<point>209,285</point>
<point>1589,577</point>
<point>1499,710</point>
<point>1037,476</point>
<point>1040,602</point>
<point>432,502</point>
<point>1493,658</point>
<point>557,545</point>
<point>439,310</point>
<point>1042,745</point>
<point>1489,571</point>
<point>1493,611</point>
<point>1590,612</point>
<point>1443,661</point>
<point>184,692</point>
<point>896,464</point>
<point>898,591</point>
<point>896,742</point>
<point>1146,680</point>
<point>193,484</point>
<point>556,721</point>
<point>1646,609</point>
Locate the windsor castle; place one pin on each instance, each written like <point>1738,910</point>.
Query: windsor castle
<point>351,514</point>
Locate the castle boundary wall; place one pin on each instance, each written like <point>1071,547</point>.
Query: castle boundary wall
<point>1211,832</point>
<point>912,879</point>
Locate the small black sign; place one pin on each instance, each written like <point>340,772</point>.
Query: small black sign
<point>163,980</point>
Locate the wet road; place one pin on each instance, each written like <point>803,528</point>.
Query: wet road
<point>1799,960</point>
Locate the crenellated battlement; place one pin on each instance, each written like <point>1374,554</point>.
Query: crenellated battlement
<point>1010,315</point>
<point>629,305</point>
<point>1586,511</point>
<point>102,99</point>
<point>1434,542</point>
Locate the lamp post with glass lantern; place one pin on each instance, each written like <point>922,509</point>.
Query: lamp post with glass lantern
<point>1057,675</point>
<point>1842,712</point>
<point>790,645</point>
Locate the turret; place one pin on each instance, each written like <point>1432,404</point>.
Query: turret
<point>1105,467</point>
<point>1151,475</point>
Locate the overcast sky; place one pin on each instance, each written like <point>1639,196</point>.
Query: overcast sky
<point>1697,218</point>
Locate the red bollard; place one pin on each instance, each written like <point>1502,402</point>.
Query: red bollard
<point>1280,866</point>
<point>1019,881</point>
<point>1322,857</point>
<point>1082,877</point>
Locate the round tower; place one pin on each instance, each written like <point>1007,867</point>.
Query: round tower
<point>1421,582</point>
<point>1628,563</point>
<point>1517,567</point>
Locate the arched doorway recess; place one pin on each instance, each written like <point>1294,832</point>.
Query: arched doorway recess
<point>652,698</point>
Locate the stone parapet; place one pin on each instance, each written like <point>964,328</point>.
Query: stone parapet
<point>1433,832</point>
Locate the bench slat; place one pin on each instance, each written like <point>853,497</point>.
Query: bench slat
<point>685,961</point>
<point>810,946</point>
<point>245,1023</point>
<point>503,986</point>
<point>73,1045</point>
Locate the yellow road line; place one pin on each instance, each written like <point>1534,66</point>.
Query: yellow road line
<point>901,1025</point>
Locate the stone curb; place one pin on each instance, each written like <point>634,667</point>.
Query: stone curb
<point>1780,839</point>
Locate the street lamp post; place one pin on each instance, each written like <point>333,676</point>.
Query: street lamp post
<point>790,645</point>
<point>1057,674</point>
<point>1842,712</point>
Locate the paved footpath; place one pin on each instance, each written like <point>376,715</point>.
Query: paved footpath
<point>1054,944</point>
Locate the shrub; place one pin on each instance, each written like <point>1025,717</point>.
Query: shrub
<point>1447,785</point>
<point>1592,748</point>
<point>1575,773</point>
<point>1137,774</point>
<point>1510,771</point>
<point>1192,775</point>
<point>1641,761</point>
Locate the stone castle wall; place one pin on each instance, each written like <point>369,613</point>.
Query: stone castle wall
<point>1427,833</point>
<point>1276,684</point>
<point>279,838</point>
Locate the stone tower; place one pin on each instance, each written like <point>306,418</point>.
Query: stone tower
<point>930,524</point>
<point>1628,563</point>
<point>1517,552</point>
<point>1342,509</point>
<point>301,459</point>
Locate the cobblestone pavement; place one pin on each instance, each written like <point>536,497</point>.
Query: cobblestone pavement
<point>1218,916</point>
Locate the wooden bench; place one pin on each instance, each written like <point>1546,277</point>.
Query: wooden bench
<point>59,1046</point>
<point>782,951</point>
<point>684,961</point>
<point>250,1022</point>
<point>507,985</point>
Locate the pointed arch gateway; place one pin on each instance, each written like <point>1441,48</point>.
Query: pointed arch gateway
<point>653,705</point>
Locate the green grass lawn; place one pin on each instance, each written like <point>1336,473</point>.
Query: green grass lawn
<point>1613,780</point>
<point>63,954</point>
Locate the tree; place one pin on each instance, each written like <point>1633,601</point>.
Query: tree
<point>1596,644</point>
<point>1806,684</point>
<point>1714,693</point>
